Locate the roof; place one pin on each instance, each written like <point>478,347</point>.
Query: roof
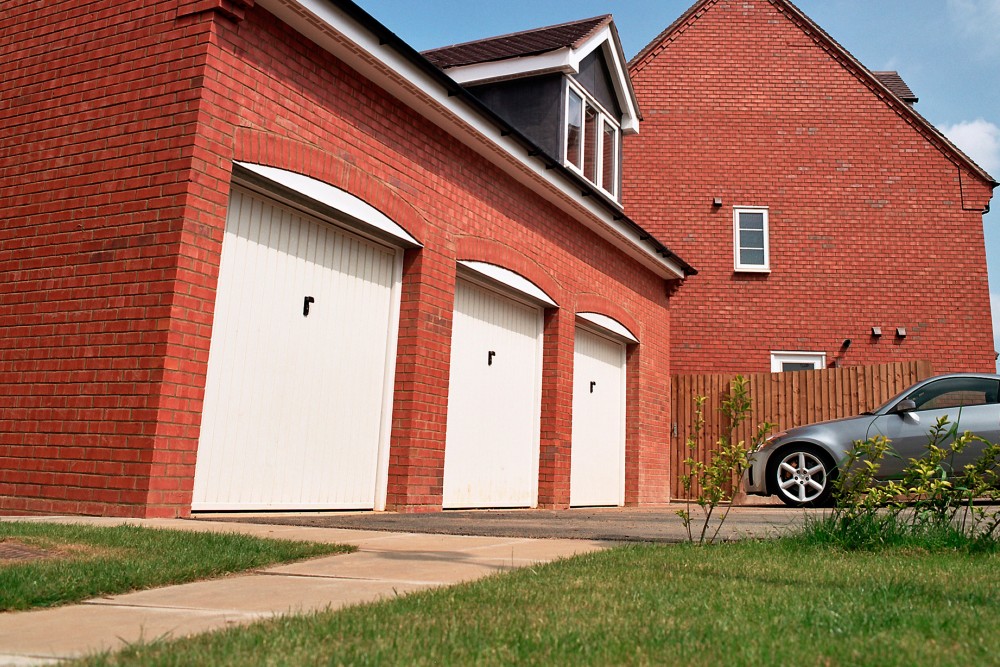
<point>880,85</point>
<point>895,83</point>
<point>378,53</point>
<point>517,44</point>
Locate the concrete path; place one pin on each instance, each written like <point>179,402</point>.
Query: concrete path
<point>386,565</point>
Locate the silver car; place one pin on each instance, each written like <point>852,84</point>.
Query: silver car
<point>800,464</point>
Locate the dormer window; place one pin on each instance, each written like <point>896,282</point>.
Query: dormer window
<point>592,140</point>
<point>565,87</point>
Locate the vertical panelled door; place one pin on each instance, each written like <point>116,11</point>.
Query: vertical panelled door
<point>491,451</point>
<point>296,375</point>
<point>597,464</point>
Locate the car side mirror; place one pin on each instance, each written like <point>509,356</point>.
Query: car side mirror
<point>904,406</point>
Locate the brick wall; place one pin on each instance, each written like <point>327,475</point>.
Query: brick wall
<point>126,120</point>
<point>872,221</point>
<point>105,256</point>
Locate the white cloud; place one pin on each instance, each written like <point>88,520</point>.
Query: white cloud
<point>979,139</point>
<point>979,21</point>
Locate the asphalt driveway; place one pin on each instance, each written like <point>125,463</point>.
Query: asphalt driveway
<point>625,524</point>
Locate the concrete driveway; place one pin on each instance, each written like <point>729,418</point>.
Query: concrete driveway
<point>625,524</point>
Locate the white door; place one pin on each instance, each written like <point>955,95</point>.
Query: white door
<point>597,460</point>
<point>296,401</point>
<point>491,450</point>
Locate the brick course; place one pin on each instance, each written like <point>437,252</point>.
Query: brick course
<point>122,121</point>
<point>874,219</point>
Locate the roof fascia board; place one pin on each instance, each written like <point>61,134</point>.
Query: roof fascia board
<point>560,60</point>
<point>607,39</point>
<point>397,69</point>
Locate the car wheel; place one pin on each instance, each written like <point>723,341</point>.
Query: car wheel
<point>802,476</point>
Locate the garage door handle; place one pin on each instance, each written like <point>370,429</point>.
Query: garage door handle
<point>305,305</point>
<point>592,385</point>
<point>489,358</point>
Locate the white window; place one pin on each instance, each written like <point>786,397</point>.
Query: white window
<point>750,239</point>
<point>592,140</point>
<point>783,362</point>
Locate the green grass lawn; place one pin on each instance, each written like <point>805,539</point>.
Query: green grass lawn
<point>87,561</point>
<point>749,603</point>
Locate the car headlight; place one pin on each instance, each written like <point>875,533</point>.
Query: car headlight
<point>771,439</point>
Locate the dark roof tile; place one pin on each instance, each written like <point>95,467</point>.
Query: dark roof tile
<point>517,44</point>
<point>895,83</point>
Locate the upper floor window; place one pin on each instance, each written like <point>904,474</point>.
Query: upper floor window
<point>750,239</point>
<point>592,140</point>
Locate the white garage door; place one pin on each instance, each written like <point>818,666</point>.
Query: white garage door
<point>597,462</point>
<point>491,450</point>
<point>296,404</point>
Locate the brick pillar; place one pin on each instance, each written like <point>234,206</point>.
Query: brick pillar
<point>557,408</point>
<point>647,420</point>
<point>420,399</point>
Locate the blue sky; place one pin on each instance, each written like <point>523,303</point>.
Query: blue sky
<point>948,51</point>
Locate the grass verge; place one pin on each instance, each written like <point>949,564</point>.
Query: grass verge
<point>86,561</point>
<point>875,531</point>
<point>749,603</point>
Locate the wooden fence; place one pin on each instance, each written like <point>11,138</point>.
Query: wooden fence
<point>785,399</point>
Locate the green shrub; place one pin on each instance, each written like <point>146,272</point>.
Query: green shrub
<point>728,462</point>
<point>932,505</point>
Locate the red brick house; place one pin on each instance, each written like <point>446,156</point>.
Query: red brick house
<point>830,223</point>
<point>264,255</point>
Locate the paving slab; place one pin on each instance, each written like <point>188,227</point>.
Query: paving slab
<point>265,593</point>
<point>401,567</point>
<point>75,630</point>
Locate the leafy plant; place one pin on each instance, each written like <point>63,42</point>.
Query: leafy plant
<point>716,479</point>
<point>931,501</point>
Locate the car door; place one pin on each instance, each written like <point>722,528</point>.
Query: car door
<point>970,402</point>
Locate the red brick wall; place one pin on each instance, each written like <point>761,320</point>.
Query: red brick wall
<point>126,127</point>
<point>106,254</point>
<point>868,224</point>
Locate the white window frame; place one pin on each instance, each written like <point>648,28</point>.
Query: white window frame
<point>602,116</point>
<point>778,359</point>
<point>751,268</point>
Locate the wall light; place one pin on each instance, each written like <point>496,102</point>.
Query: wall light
<point>900,332</point>
<point>876,332</point>
<point>717,201</point>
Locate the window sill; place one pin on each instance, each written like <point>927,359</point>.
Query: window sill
<point>753,269</point>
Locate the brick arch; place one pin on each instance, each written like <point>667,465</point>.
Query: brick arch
<point>279,152</point>
<point>595,303</point>
<point>480,249</point>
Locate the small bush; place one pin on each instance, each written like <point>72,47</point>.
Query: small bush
<point>932,506</point>
<point>729,461</point>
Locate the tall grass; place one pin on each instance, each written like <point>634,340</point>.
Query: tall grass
<point>874,531</point>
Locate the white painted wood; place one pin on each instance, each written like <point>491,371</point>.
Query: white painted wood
<point>597,462</point>
<point>492,440</point>
<point>294,411</point>
<point>609,326</point>
<point>347,204</point>
<point>509,279</point>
